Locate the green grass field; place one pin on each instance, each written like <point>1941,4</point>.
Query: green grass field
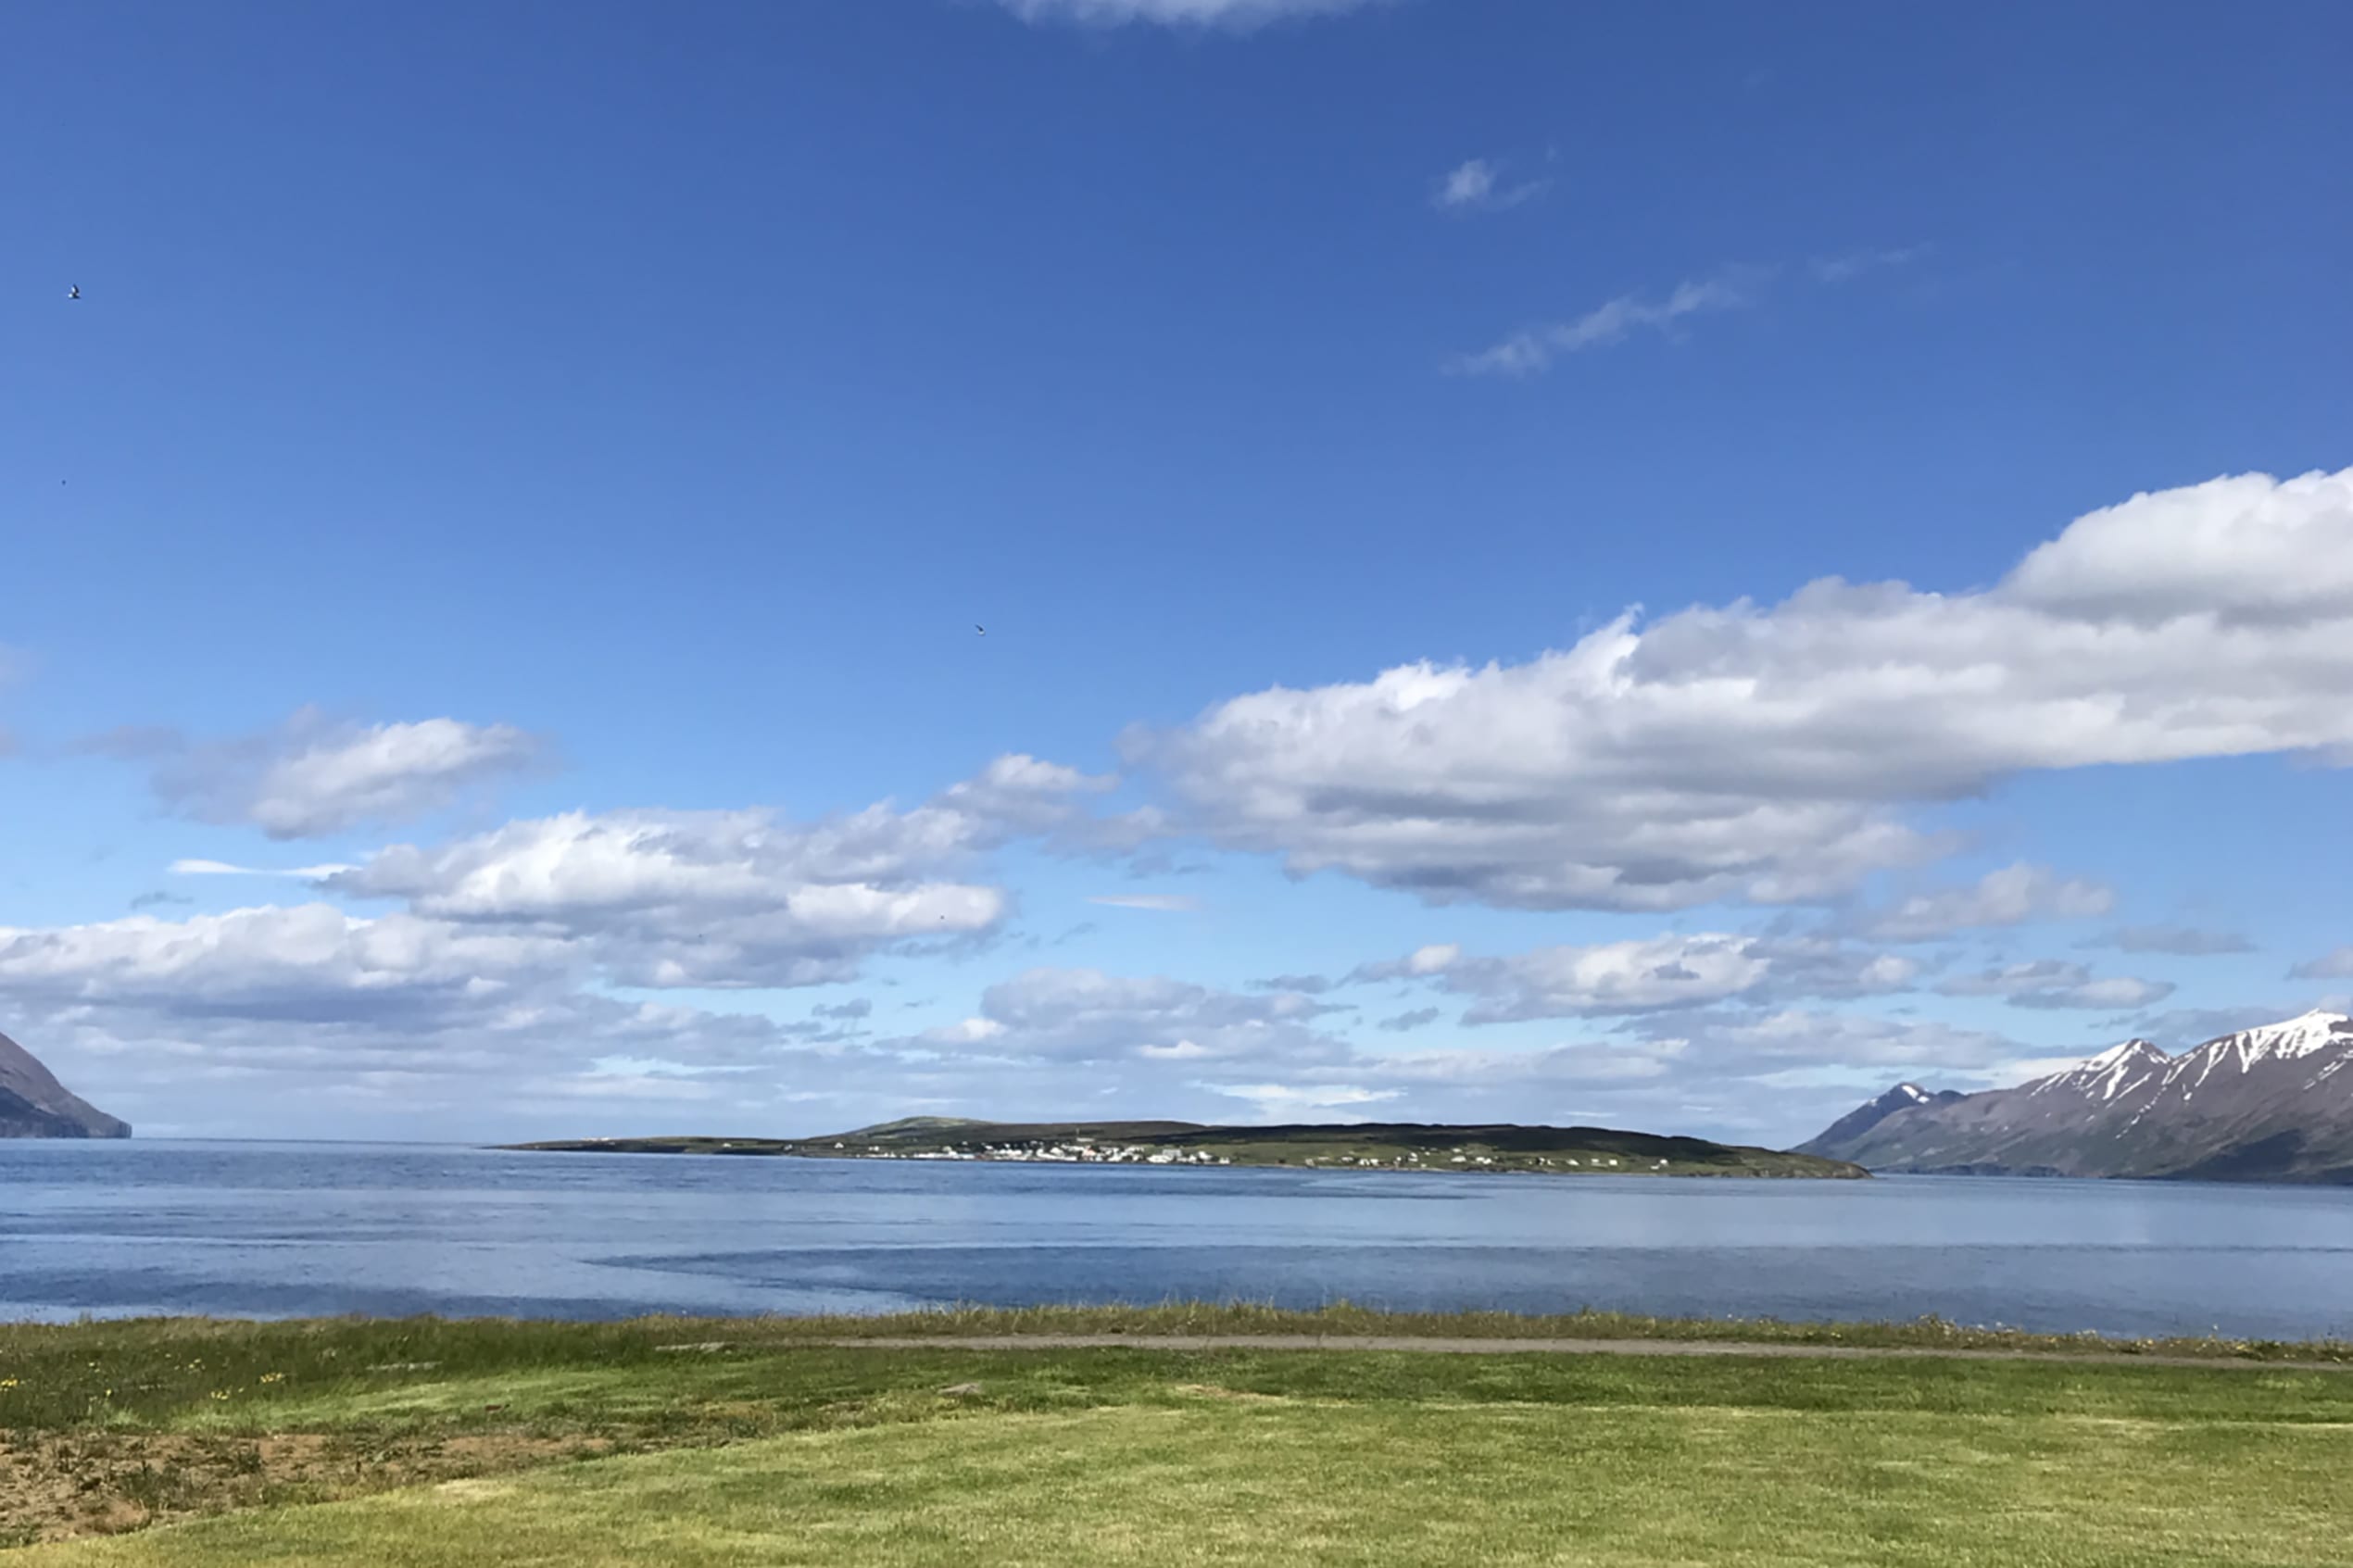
<point>349,1443</point>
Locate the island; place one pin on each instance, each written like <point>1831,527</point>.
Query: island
<point>1497,1148</point>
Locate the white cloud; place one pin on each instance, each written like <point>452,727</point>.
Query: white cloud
<point>1231,14</point>
<point>1281,1103</point>
<point>1467,185</point>
<point>1061,1035</point>
<point>2337,965</point>
<point>1611,978</point>
<point>310,961</point>
<point>2009,897</point>
<point>2116,994</point>
<point>1618,979</point>
<point>1085,1015</point>
<point>1305,984</point>
<point>1774,1043</point>
<point>1532,350</point>
<point>1164,903</point>
<point>314,776</point>
<point>478,996</point>
<point>1764,753</point>
<point>291,873</point>
<point>2246,557</point>
<point>418,1022</point>
<point>682,899</point>
<point>2053,983</point>
<point>737,898</point>
<point>2181,941</point>
<point>1847,268</point>
<point>1474,186</point>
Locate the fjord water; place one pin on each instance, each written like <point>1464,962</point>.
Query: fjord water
<point>271,1230</point>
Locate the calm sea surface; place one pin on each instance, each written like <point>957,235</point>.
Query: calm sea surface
<point>266,1230</point>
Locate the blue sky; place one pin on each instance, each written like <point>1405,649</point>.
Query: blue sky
<point>548,462</point>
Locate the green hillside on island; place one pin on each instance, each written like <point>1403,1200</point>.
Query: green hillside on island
<point>1369,1145</point>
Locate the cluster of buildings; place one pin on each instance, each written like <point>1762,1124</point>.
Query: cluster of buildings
<point>1062,1154</point>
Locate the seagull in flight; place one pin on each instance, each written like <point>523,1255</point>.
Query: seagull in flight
<point>74,292</point>
<point>979,628</point>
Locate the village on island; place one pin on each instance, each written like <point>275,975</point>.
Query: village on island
<point>1086,1151</point>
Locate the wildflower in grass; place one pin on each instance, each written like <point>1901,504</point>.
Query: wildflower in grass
<point>273,1377</point>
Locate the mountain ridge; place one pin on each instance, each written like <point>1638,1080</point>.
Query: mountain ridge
<point>2269,1103</point>
<point>35,1104</point>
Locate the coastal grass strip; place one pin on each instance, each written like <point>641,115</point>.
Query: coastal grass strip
<point>54,1376</point>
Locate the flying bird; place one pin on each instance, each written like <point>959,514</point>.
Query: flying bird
<point>74,292</point>
<point>979,628</point>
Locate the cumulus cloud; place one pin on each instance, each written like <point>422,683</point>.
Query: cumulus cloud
<point>1237,15</point>
<point>1618,979</point>
<point>489,978</point>
<point>2179,941</point>
<point>2111,995</point>
<point>1168,1041</point>
<point>1531,350</point>
<point>1406,1023</point>
<point>418,1021</point>
<point>315,776</point>
<point>2009,897</point>
<point>1765,753</point>
<point>1162,1042</point>
<point>311,964</point>
<point>666,899</point>
<point>1611,978</point>
<point>1085,1015</point>
<point>1476,186</point>
<point>1758,1043</point>
<point>2337,965</point>
<point>2053,983</point>
<point>735,898</point>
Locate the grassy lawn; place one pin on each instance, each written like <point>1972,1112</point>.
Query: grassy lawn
<point>488,1443</point>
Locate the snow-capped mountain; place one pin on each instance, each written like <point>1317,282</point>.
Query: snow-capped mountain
<point>1870,1114</point>
<point>2273,1103</point>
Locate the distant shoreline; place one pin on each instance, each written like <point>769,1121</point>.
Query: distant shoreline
<point>1492,1150</point>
